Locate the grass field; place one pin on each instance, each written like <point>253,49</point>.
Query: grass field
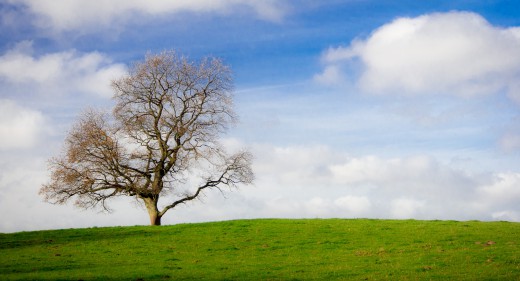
<point>331,249</point>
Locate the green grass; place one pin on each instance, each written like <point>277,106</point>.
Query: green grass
<point>269,250</point>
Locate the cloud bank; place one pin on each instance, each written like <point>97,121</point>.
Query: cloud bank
<point>326,182</point>
<point>68,15</point>
<point>307,181</point>
<point>456,53</point>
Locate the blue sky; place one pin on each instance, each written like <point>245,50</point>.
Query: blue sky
<point>352,108</point>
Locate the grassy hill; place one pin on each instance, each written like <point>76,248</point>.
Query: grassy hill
<point>269,250</point>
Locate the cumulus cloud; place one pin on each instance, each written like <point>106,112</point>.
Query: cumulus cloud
<point>66,15</point>
<point>504,188</point>
<point>331,75</point>
<point>316,207</point>
<point>317,181</point>
<point>60,72</point>
<point>20,127</point>
<point>453,53</point>
<point>414,174</point>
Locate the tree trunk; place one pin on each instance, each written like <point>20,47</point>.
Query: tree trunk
<point>155,219</point>
<point>153,212</point>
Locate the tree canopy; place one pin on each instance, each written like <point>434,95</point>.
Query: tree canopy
<point>168,117</point>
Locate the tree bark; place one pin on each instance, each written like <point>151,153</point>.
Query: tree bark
<point>153,212</point>
<point>155,219</point>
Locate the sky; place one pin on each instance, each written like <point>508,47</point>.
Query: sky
<point>351,108</point>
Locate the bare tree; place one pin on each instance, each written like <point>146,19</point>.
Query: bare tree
<point>169,113</point>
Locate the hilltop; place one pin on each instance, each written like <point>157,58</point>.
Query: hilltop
<point>267,249</point>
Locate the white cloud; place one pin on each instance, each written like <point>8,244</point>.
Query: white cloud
<point>20,127</point>
<point>61,72</point>
<point>405,208</point>
<point>331,75</point>
<point>454,53</point>
<point>66,15</point>
<point>415,173</point>
<point>333,55</point>
<point>322,166</point>
<point>317,181</point>
<point>295,164</point>
<point>505,189</point>
<point>353,205</point>
<point>507,215</point>
<point>316,207</point>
